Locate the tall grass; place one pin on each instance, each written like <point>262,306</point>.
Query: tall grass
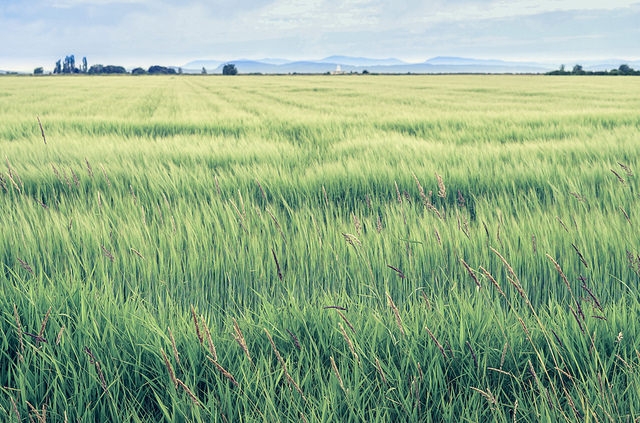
<point>319,249</point>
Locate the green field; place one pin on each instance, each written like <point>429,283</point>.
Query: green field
<point>315,249</point>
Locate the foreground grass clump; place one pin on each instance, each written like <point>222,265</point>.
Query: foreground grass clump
<point>319,249</point>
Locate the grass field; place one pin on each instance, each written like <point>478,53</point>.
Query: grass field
<point>296,248</point>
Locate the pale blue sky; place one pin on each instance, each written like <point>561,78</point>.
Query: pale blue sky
<point>173,32</point>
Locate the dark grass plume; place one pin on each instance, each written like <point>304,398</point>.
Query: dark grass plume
<point>471,273</point>
<point>580,256</point>
<point>438,344</point>
<point>107,253</point>
<point>295,340</point>
<point>279,270</point>
<point>344,318</point>
<point>626,169</point>
<point>25,266</point>
<point>196,325</point>
<point>620,178</point>
<point>335,307</point>
<point>44,138</point>
<point>399,272</point>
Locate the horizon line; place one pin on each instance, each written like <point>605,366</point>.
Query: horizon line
<point>24,68</point>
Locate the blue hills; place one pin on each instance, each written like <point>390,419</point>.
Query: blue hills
<point>348,64</point>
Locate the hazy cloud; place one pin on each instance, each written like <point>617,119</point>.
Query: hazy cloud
<point>175,31</point>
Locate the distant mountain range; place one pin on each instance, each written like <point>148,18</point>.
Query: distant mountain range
<point>434,65</point>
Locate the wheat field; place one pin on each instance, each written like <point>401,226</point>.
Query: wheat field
<point>319,248</point>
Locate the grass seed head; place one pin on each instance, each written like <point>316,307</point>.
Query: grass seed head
<point>337,373</point>
<point>349,343</point>
<point>176,356</point>
<point>197,325</point>
<point>3,183</point>
<point>43,325</point>
<point>59,337</point>
<point>423,196</point>
<point>625,214</point>
<point>190,393</point>
<point>620,178</point>
<point>76,180</point>
<point>25,266</point>
<point>396,313</point>
<point>41,416</point>
<point>399,272</point>
<point>224,372</point>
<point>89,169</point>
<point>438,344</point>
<point>488,395</point>
<point>264,195</point>
<point>239,337</point>
<point>107,253</point>
<point>437,234</point>
<point>380,372</point>
<point>626,169</point>
<point>493,281</point>
<point>295,340</point>
<point>533,372</point>
<point>278,269</point>
<point>15,409</point>
<point>104,173</point>
<point>284,366</point>
<point>344,318</point>
<point>212,347</point>
<point>398,196</point>
<point>442,191</point>
<point>352,240</point>
<point>461,201</point>
<point>169,367</point>
<point>471,273</point>
<point>356,224</point>
<point>44,138</point>
<point>103,382</point>
<point>19,332</point>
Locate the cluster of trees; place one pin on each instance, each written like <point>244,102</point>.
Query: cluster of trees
<point>68,66</point>
<point>155,70</point>
<point>578,70</point>
<point>101,69</point>
<point>229,69</point>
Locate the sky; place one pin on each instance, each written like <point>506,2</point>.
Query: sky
<point>173,32</point>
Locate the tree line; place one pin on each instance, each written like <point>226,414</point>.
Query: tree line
<point>68,66</point>
<point>578,70</point>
